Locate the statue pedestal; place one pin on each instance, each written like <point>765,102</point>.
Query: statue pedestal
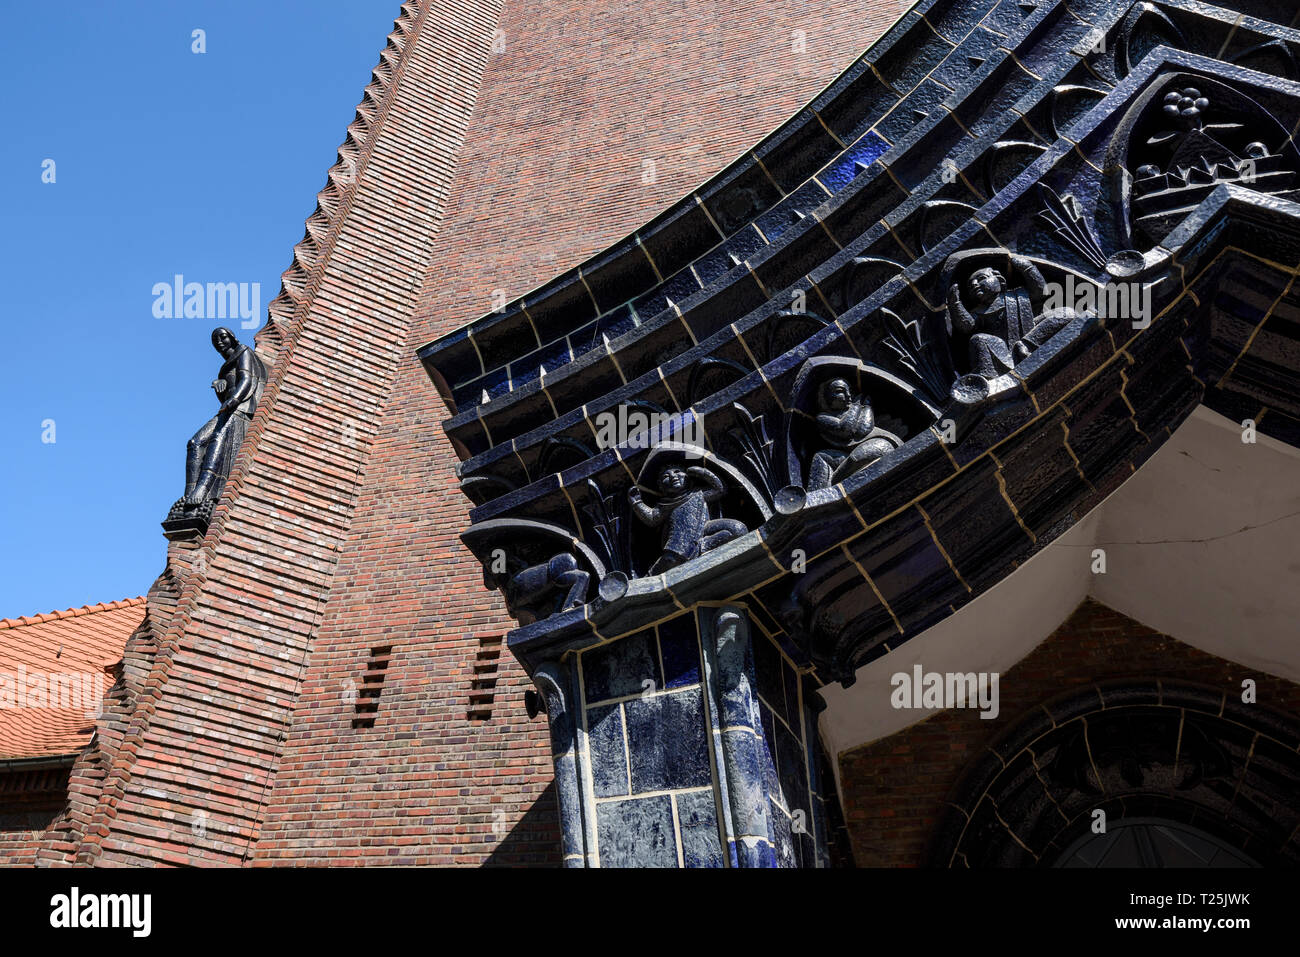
<point>690,743</point>
<point>186,523</point>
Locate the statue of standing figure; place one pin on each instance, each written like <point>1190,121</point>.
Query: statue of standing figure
<point>211,451</point>
<point>689,530</point>
<point>1002,320</point>
<point>847,426</point>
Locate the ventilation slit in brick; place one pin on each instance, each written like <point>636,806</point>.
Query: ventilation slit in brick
<point>372,686</point>
<point>482,687</point>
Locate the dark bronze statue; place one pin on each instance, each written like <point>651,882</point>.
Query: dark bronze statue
<point>211,452</point>
<point>689,530</point>
<point>535,592</point>
<point>1002,320</point>
<point>847,427</point>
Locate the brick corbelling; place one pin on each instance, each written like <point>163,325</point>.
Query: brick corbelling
<point>58,843</point>
<point>894,789</point>
<point>201,691</point>
<point>302,276</point>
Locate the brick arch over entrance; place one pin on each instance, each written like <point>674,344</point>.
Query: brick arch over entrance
<point>1190,765</point>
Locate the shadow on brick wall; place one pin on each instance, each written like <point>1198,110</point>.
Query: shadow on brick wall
<point>535,840</point>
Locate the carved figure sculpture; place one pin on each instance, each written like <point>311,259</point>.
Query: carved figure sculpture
<point>847,427</point>
<point>534,592</point>
<point>689,530</point>
<point>1001,320</point>
<point>211,451</point>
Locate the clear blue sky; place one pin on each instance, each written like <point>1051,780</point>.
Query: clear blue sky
<point>166,162</point>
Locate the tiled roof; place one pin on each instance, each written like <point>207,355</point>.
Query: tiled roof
<point>79,641</point>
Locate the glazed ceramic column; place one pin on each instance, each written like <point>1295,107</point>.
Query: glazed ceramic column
<point>685,744</point>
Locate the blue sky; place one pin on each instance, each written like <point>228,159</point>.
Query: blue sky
<point>166,161</point>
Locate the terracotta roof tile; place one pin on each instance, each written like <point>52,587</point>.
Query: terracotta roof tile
<point>80,643</point>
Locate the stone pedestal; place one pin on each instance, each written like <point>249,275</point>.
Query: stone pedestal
<point>690,743</point>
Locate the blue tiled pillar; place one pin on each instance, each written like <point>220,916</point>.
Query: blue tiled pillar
<point>684,744</point>
<point>556,684</point>
<point>740,751</point>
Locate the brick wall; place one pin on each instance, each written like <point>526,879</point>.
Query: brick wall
<point>579,94</point>
<point>894,788</point>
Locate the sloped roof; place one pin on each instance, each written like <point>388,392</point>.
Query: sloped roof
<point>80,642</point>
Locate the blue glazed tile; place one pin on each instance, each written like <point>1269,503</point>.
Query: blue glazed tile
<point>747,776</point>
<point>679,645</point>
<point>746,193</point>
<point>777,220</point>
<point>785,854</point>
<point>865,151</point>
<point>668,742</point>
<point>714,266</point>
<point>496,382</point>
<point>682,286</point>
<point>651,304</point>
<point>562,305</point>
<point>727,257</point>
<point>767,675</point>
<point>745,244</point>
<point>735,685</point>
<point>678,289</point>
<point>554,355</point>
<point>914,110</point>
<point>958,67</point>
<point>608,756</point>
<point>466,394</point>
<point>637,833</point>
<point>767,754</point>
<point>678,237</point>
<point>807,849</point>
<point>697,822</point>
<point>620,668</point>
<point>763,855</point>
<point>521,373</point>
<point>615,323</point>
<point>791,695</point>
<point>582,341</point>
<point>678,426</point>
<point>791,771</point>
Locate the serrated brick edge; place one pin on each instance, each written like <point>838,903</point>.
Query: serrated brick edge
<point>100,776</point>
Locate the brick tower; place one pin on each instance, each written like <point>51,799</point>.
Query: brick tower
<point>320,677</point>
